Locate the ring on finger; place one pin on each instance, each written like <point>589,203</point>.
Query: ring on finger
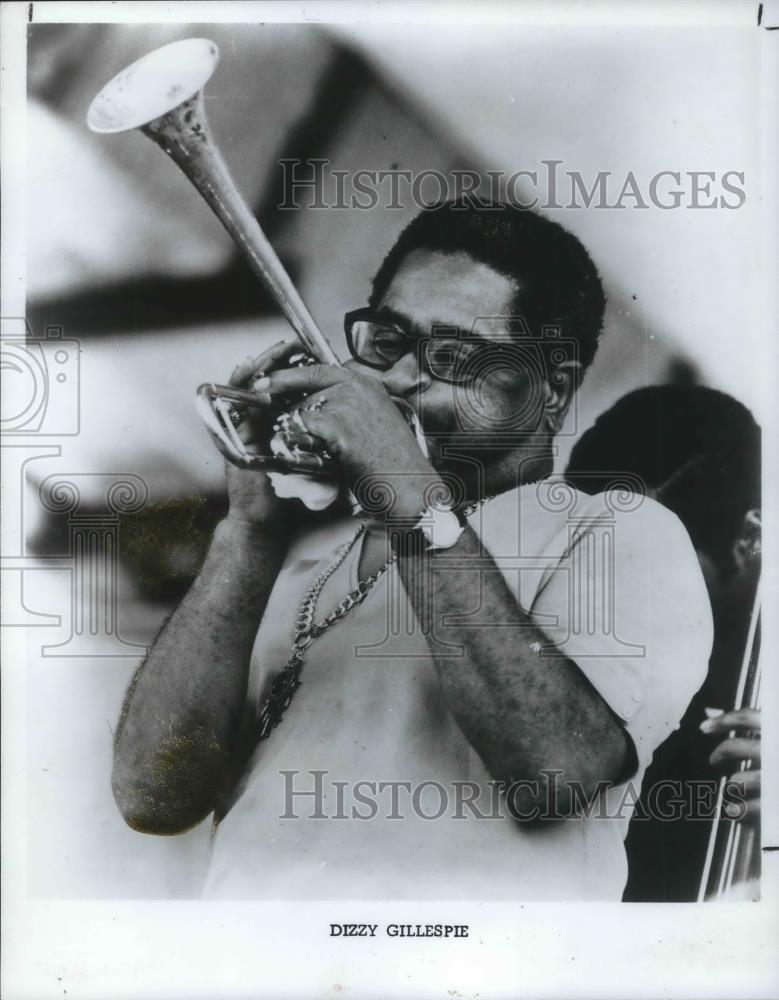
<point>317,404</point>
<point>282,422</point>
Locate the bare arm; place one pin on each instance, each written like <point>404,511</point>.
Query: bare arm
<point>527,715</point>
<point>523,713</point>
<point>176,742</point>
<point>177,734</point>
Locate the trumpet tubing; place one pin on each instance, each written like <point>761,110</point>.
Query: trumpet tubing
<point>161,95</point>
<point>184,134</point>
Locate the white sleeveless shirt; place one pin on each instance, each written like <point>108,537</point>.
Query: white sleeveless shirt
<point>612,580</point>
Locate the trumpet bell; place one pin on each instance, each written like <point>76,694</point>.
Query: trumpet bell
<point>161,95</point>
<point>153,85</point>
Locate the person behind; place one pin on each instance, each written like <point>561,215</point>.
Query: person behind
<point>347,694</point>
<point>697,451</point>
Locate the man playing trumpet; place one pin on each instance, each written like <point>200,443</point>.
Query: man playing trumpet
<point>446,696</point>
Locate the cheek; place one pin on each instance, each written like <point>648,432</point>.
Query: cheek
<point>499,405</point>
<point>495,404</point>
<point>437,403</point>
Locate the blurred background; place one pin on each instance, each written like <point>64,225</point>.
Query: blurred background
<point>127,259</point>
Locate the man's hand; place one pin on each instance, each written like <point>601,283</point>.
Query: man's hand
<point>180,734</point>
<point>353,416</point>
<point>252,500</point>
<point>744,744</point>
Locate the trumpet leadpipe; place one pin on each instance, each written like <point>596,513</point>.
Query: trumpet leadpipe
<point>162,95</point>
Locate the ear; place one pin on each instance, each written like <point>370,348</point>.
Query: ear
<point>748,543</point>
<point>559,390</point>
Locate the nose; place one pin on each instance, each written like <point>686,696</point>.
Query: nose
<point>406,378</point>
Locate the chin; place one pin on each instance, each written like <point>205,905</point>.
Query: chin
<point>460,467</point>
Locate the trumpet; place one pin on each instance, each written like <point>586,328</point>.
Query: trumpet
<point>161,94</point>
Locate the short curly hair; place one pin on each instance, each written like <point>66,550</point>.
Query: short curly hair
<point>558,283</point>
<point>698,446</point>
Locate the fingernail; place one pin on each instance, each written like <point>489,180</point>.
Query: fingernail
<point>262,383</point>
<point>707,726</point>
<point>712,713</point>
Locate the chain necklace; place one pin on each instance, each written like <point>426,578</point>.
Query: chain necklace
<point>287,681</point>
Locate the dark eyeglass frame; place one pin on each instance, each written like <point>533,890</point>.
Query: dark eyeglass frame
<point>416,344</point>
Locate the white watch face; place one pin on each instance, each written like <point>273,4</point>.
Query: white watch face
<point>441,528</point>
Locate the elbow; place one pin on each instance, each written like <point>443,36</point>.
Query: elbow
<point>527,801</point>
<point>171,786</point>
<point>545,797</point>
<point>151,810</point>
<point>157,822</point>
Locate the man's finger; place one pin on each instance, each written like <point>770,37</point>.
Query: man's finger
<point>243,374</point>
<point>746,811</point>
<point>735,749</point>
<point>742,720</point>
<point>320,425</point>
<point>748,782</point>
<point>308,379</point>
<point>293,436</point>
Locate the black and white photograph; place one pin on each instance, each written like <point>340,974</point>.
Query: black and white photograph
<point>387,460</point>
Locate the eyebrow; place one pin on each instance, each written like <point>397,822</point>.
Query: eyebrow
<point>407,326</point>
<point>399,319</point>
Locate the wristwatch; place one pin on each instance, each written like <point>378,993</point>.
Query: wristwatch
<point>440,526</point>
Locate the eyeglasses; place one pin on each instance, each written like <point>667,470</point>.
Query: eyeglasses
<point>380,344</point>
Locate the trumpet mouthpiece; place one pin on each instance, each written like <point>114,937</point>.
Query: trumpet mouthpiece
<point>153,85</point>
